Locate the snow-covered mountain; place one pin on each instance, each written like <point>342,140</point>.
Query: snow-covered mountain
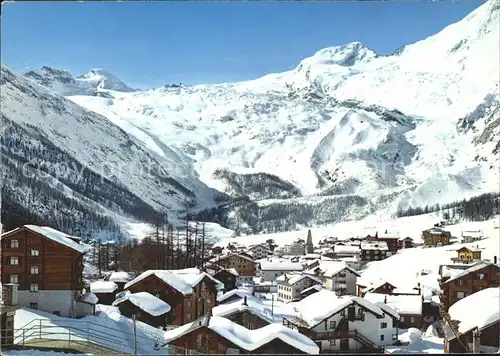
<point>91,83</point>
<point>62,162</point>
<point>345,134</point>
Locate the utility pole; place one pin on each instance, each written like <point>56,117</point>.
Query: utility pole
<point>135,334</point>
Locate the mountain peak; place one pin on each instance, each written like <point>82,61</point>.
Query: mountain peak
<point>346,55</point>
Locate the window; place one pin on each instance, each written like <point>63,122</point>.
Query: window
<point>34,270</point>
<point>460,295</point>
<point>333,342</point>
<point>14,243</point>
<point>14,278</point>
<point>33,305</point>
<point>402,319</point>
<point>34,287</point>
<point>480,276</point>
<point>341,275</point>
<point>412,319</point>
<point>342,312</point>
<point>383,325</point>
<point>35,252</point>
<point>459,282</point>
<point>381,337</point>
<point>250,326</point>
<point>360,311</point>
<point>14,261</point>
<point>333,324</point>
<point>188,316</point>
<point>189,304</point>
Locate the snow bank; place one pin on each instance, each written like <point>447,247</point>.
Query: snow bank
<point>145,301</point>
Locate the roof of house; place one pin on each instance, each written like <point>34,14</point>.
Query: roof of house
<point>240,306</point>
<point>388,235</point>
<point>403,304</point>
<point>240,292</point>
<point>436,231</point>
<point>319,306</point>
<point>183,280</point>
<point>223,257</point>
<point>377,284</point>
<point>316,287</point>
<point>473,311</point>
<point>473,269</point>
<point>291,279</point>
<point>248,340</point>
<point>103,287</point>
<point>474,234</point>
<point>279,265</point>
<point>336,267</point>
<point>89,298</point>
<point>143,300</point>
<point>119,276</point>
<point>472,249</point>
<point>374,245</point>
<point>54,235</point>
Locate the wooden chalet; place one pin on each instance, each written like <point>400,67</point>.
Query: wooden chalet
<point>472,280</point>
<point>47,266</point>
<point>374,250</point>
<point>436,237</point>
<point>405,242</point>
<point>144,307</point>
<point>190,295</point>
<point>467,254</point>
<point>218,335</point>
<point>245,266</point>
<point>472,327</point>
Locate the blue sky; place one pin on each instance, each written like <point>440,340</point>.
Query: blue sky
<point>149,44</point>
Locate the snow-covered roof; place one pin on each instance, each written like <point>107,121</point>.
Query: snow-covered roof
<point>55,235</point>
<point>374,245</point>
<point>387,309</point>
<point>223,257</point>
<point>252,306</point>
<point>472,249</point>
<point>474,234</point>
<point>103,287</point>
<point>149,303</point>
<point>262,246</point>
<point>89,298</point>
<point>403,304</point>
<point>375,285</point>
<point>321,305</point>
<point>291,279</point>
<point>388,235</point>
<point>346,249</point>
<point>316,287</point>
<point>248,340</point>
<point>463,273</point>
<point>333,268</point>
<point>479,310</point>
<point>183,280</point>
<point>119,276</point>
<point>280,265</point>
<point>240,292</point>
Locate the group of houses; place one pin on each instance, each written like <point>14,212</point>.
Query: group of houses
<point>219,307</point>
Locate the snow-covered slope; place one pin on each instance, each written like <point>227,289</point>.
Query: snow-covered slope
<point>344,134</point>
<point>91,83</point>
<point>56,152</point>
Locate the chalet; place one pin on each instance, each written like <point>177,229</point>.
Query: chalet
<point>228,277</point>
<point>345,324</point>
<point>381,287</point>
<point>105,291</point>
<point>409,308</point>
<point>436,237</point>
<point>146,308</point>
<point>190,292</point>
<point>405,242</point>
<point>472,280</point>
<point>390,238</point>
<point>341,279</point>
<point>291,285</point>
<point>468,254</point>
<point>218,335</point>
<point>272,268</point>
<point>8,306</point>
<point>47,265</point>
<point>234,295</point>
<point>244,313</point>
<point>260,251</point>
<point>470,326</point>
<point>295,249</point>
<point>245,266</point>
<point>341,251</point>
<point>472,236</point>
<point>120,278</point>
<point>374,250</point>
